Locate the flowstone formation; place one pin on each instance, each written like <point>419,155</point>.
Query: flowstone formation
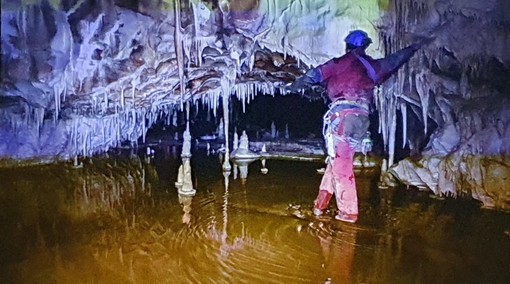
<point>451,99</point>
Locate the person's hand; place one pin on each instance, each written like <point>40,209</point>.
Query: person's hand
<point>294,87</point>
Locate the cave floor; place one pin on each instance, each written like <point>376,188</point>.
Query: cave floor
<point>120,219</point>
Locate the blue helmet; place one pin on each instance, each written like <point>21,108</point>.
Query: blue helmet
<point>358,38</point>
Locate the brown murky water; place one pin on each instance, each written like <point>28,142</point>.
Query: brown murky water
<point>120,220</point>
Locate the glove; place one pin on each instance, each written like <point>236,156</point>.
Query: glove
<point>296,86</point>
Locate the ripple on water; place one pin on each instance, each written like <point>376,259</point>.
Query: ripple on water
<point>253,243</point>
<point>117,232</point>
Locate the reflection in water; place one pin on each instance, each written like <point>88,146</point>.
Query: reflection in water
<point>224,246</point>
<point>263,169</point>
<point>119,219</point>
<point>241,168</point>
<point>338,253</point>
<point>111,186</point>
<point>185,201</point>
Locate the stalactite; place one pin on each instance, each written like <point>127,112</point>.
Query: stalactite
<point>179,51</point>
<point>423,89</point>
<point>383,114</point>
<point>122,98</point>
<point>392,119</point>
<point>56,94</point>
<point>226,162</point>
<point>403,111</point>
<point>143,127</point>
<point>84,143</point>
<point>118,127</point>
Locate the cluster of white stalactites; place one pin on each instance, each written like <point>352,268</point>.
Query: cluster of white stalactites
<point>456,109</point>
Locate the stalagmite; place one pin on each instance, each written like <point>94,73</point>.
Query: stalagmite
<point>235,143</point>
<point>180,177</point>
<point>77,163</point>
<point>186,145</point>
<point>274,135</point>
<point>220,132</point>
<point>187,185</point>
<point>243,152</point>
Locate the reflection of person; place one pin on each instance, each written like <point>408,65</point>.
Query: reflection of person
<point>349,81</point>
<point>338,256</point>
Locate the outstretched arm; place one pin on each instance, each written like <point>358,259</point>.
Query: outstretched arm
<point>311,77</point>
<point>388,65</point>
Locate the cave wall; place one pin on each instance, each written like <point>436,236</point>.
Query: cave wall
<point>456,97</point>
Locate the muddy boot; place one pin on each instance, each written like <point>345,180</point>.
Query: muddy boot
<point>322,202</point>
<point>344,217</point>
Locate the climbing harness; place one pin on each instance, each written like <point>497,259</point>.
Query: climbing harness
<point>333,122</point>
<point>338,110</point>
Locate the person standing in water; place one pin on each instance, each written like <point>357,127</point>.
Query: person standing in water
<point>349,81</point>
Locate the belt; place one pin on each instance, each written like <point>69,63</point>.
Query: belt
<point>348,104</point>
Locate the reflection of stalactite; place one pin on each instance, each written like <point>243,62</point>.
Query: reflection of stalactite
<point>104,190</point>
<point>225,209</point>
<point>238,242</point>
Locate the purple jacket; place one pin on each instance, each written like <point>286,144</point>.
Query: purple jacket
<point>354,75</point>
